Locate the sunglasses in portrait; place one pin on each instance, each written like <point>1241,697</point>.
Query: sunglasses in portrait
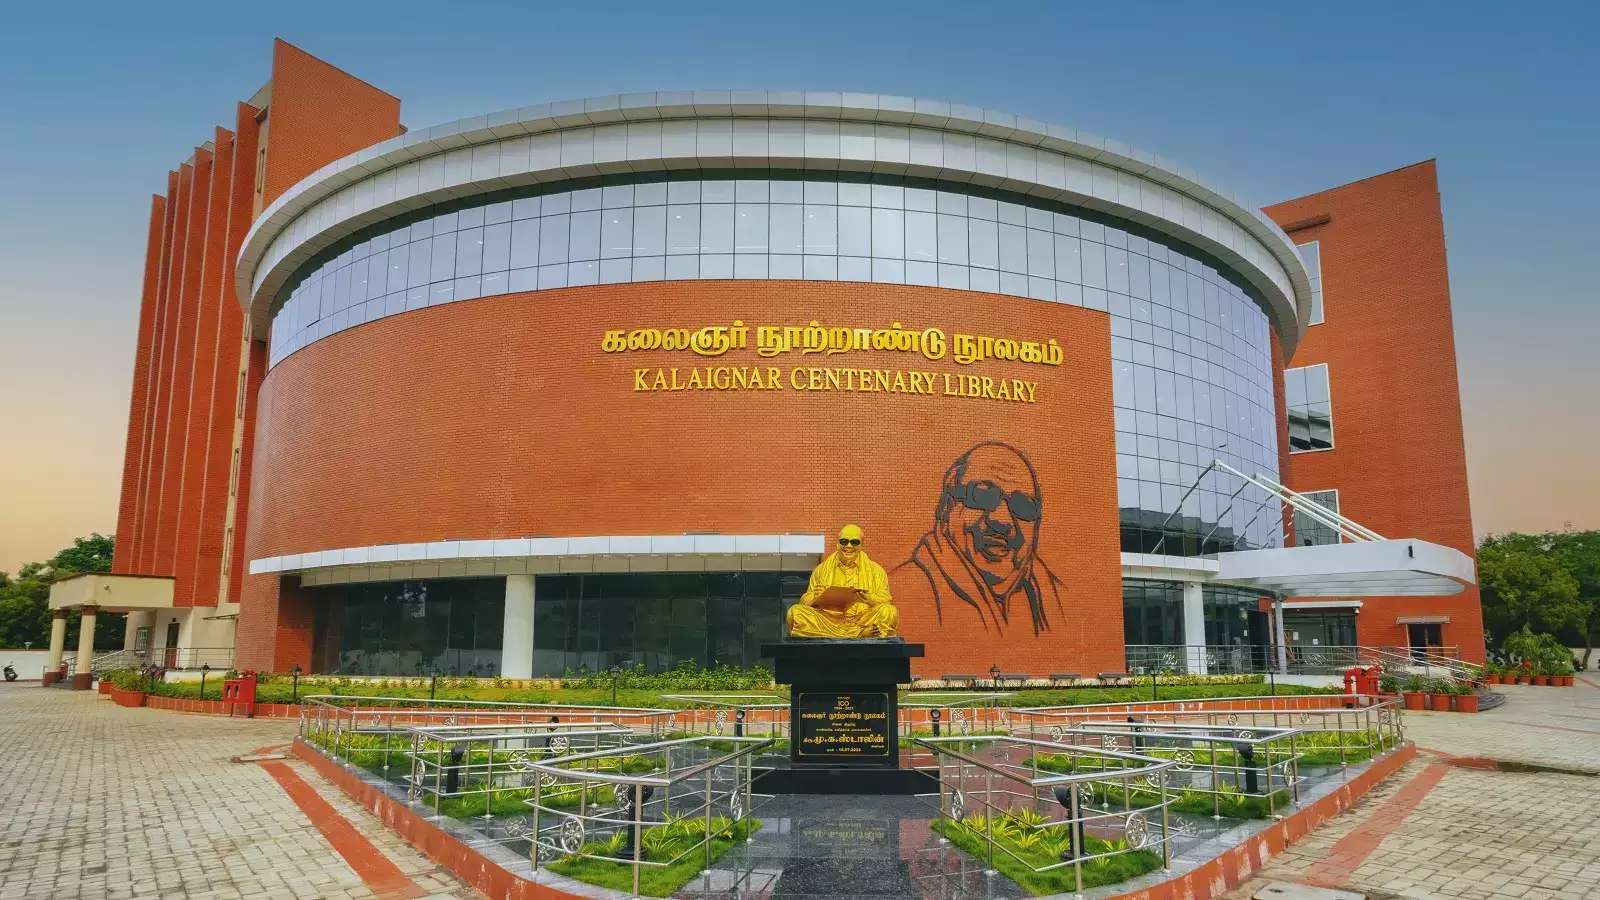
<point>849,542</point>
<point>987,497</point>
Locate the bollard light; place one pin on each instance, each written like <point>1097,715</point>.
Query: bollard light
<point>294,673</point>
<point>994,676</point>
<point>433,685</point>
<point>205,669</point>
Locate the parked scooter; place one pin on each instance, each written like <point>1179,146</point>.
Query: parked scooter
<point>11,673</point>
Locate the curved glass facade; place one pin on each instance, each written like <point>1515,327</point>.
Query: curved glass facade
<point>1191,351</point>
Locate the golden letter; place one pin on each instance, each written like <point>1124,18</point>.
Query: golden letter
<point>638,380</point>
<point>614,341</point>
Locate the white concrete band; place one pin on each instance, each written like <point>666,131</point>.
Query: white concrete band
<point>498,551</point>
<point>634,133</point>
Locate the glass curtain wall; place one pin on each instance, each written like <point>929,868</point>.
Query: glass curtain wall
<point>448,626</point>
<point>589,623</point>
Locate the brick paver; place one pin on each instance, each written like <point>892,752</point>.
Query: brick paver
<point>1475,834</point>
<point>127,804</point>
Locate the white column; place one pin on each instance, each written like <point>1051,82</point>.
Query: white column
<point>516,654</point>
<point>80,676</point>
<point>136,620</point>
<point>1277,634</point>
<point>58,638</point>
<point>1194,627</point>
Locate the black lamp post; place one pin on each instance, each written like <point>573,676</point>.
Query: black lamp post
<point>205,669</point>
<point>433,682</point>
<point>994,676</point>
<point>614,671</point>
<point>294,674</point>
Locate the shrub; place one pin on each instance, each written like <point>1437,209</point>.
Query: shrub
<point>129,679</point>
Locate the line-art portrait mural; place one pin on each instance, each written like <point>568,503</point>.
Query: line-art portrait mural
<point>982,554</point>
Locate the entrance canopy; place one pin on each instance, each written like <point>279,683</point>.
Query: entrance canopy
<point>1382,568</point>
<point>113,593</point>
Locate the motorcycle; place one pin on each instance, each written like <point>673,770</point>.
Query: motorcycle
<point>11,673</point>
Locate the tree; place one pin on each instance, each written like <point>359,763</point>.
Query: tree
<point>1579,551</point>
<point>25,600</point>
<point>1522,581</point>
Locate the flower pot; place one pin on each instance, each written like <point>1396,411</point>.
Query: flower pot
<point>1416,700</point>
<point>1440,702</point>
<point>1524,679</point>
<point>1541,680</point>
<point>103,687</point>
<point>127,698</point>
<point>1566,680</point>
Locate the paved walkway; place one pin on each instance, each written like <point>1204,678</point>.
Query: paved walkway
<point>1439,829</point>
<point>126,804</point>
<point>104,802</point>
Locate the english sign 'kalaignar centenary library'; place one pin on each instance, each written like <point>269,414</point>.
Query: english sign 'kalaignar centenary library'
<point>596,382</point>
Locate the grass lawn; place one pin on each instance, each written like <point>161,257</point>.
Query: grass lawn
<point>1039,847</point>
<point>661,842</point>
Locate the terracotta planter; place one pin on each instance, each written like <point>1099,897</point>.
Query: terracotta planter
<point>1524,679</point>
<point>1416,701</point>
<point>1467,703</point>
<point>1566,680</point>
<point>127,698</point>
<point>103,687</point>
<point>1541,680</point>
<point>1440,702</point>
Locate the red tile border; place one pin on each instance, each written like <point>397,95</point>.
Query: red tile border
<point>214,707</point>
<point>1231,868</point>
<point>383,877</point>
<point>467,864</point>
<point>1350,851</point>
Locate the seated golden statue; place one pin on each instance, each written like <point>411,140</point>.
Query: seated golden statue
<point>869,614</point>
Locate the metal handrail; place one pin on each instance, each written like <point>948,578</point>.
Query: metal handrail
<point>954,767</point>
<point>634,795</point>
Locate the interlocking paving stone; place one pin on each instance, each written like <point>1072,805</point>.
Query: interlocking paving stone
<point>106,803</point>
<point>1477,834</point>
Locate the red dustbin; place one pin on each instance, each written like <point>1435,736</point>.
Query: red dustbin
<point>239,694</point>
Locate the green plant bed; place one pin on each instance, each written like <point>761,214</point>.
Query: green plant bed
<point>514,801</point>
<point>1233,805</point>
<point>1039,847</point>
<point>660,842</point>
<point>1164,691</point>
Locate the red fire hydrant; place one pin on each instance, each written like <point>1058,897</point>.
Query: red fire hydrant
<point>240,693</point>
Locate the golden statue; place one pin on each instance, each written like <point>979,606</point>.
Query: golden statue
<point>848,596</point>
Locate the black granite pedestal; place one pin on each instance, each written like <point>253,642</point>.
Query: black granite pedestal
<point>844,717</point>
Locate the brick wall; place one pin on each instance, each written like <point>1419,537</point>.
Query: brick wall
<point>173,512</point>
<point>1399,460</point>
<point>318,114</point>
<point>502,417</point>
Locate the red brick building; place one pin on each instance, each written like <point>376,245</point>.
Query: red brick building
<point>596,382</point>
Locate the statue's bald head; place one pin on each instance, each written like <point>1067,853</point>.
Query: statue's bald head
<point>850,544</point>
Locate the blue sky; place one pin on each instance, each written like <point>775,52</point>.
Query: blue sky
<point>1274,100</point>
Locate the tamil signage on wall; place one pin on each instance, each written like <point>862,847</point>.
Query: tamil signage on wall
<point>773,341</point>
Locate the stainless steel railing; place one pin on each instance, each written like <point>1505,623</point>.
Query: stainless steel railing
<point>674,799</point>
<point>994,798</point>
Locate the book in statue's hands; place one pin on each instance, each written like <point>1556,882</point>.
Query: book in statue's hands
<point>837,598</point>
